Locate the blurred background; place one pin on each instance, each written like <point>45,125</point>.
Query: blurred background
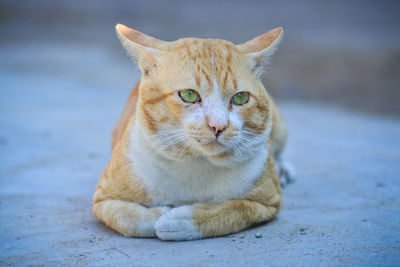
<point>344,53</point>
<point>64,78</point>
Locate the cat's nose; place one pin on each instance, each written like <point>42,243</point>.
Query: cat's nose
<point>218,126</point>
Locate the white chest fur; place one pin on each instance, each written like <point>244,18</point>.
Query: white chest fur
<point>176,183</point>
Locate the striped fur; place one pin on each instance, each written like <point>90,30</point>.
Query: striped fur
<point>171,174</point>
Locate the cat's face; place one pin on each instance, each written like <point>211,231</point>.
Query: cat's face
<point>203,97</point>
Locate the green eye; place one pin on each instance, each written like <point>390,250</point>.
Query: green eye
<point>190,96</point>
<point>240,98</point>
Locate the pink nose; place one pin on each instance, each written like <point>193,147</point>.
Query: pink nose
<point>217,127</point>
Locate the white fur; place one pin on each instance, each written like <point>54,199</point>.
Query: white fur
<point>214,107</point>
<point>286,171</point>
<point>177,225</point>
<point>147,228</point>
<point>207,179</point>
<point>175,183</point>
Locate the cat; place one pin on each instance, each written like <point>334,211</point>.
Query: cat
<point>196,151</point>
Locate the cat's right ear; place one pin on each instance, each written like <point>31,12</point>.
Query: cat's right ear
<point>143,48</point>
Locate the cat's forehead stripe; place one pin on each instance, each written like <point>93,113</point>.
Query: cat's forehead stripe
<point>212,58</point>
<point>155,100</point>
<point>235,84</point>
<point>207,77</point>
<point>197,79</point>
<point>225,80</point>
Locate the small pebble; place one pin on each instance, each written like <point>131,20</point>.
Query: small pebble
<point>258,235</point>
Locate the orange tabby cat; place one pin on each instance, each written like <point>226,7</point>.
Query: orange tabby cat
<point>193,154</point>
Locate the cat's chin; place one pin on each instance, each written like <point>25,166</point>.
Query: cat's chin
<point>213,149</point>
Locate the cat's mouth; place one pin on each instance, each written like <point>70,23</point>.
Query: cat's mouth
<point>213,142</point>
<point>211,146</point>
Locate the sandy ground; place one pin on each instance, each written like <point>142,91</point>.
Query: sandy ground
<point>55,122</point>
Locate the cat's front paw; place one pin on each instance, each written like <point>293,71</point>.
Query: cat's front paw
<point>145,227</point>
<point>177,224</point>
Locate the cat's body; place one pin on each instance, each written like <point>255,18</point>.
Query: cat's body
<point>191,169</point>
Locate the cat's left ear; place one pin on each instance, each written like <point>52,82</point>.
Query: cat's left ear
<point>143,48</point>
<point>261,48</point>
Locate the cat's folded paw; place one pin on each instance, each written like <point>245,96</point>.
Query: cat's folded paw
<point>145,227</point>
<point>177,224</point>
<point>164,210</point>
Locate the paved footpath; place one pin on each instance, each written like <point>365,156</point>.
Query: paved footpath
<point>55,122</point>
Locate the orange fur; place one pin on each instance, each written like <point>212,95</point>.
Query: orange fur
<point>159,134</point>
<point>261,204</point>
<point>127,113</point>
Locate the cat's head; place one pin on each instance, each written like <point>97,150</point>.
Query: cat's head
<point>202,97</point>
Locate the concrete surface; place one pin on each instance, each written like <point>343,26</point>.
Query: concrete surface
<point>58,104</point>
